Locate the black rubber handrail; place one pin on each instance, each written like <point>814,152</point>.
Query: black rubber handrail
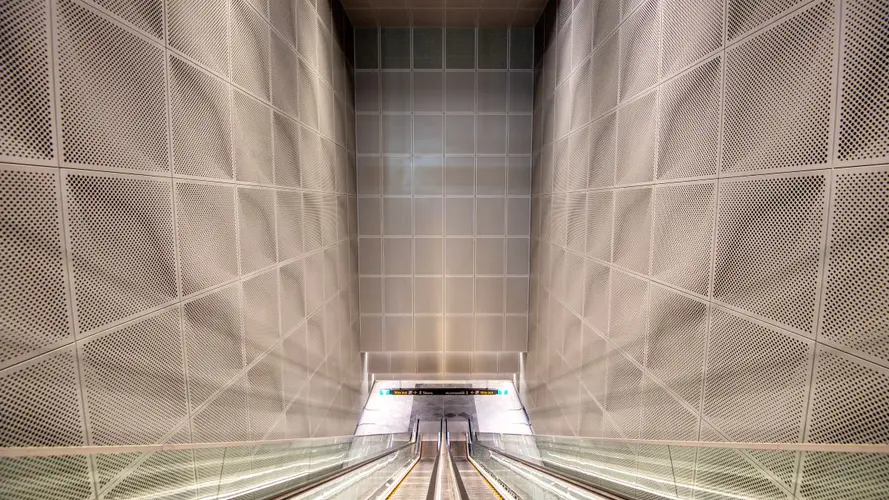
<point>558,475</point>
<point>336,474</point>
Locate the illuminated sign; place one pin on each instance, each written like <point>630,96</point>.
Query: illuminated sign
<point>443,391</point>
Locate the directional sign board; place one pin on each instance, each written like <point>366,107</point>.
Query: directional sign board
<point>443,391</point>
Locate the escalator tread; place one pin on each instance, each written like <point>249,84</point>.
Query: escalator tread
<point>476,486</point>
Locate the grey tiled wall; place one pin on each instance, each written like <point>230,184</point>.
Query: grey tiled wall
<point>709,232</point>
<point>443,179</point>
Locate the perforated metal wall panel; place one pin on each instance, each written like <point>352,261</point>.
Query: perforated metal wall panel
<point>207,232</point>
<point>104,240</point>
<point>25,93</point>
<point>118,362</point>
<point>151,197</point>
<point>734,280</point>
<point>34,283</point>
<point>200,119</point>
<point>102,67</point>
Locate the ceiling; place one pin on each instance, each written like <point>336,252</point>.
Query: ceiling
<point>463,13</point>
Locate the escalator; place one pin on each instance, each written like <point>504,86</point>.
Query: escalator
<point>443,465</point>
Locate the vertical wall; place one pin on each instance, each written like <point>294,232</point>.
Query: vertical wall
<point>710,229</point>
<point>443,175</point>
<point>177,198</point>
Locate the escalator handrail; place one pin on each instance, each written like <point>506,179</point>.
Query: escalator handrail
<point>461,488</point>
<point>336,474</point>
<point>430,493</point>
<point>558,475</point>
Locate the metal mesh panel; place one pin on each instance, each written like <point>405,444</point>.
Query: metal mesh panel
<point>293,295</point>
<point>208,252</point>
<point>287,171</point>
<point>598,224</point>
<point>199,29</point>
<point>33,286</point>
<point>113,222</point>
<point>593,348</point>
<point>602,152</point>
<point>253,139</point>
<point>636,131</point>
<point>629,314</point>
<point>745,15</point>
<point>312,233</point>
<point>113,93</point>
<point>41,404</point>
<point>682,235</point>
<point>623,401</point>
<point>143,361</point>
<point>250,49</point>
<point>768,247</point>
<point>632,228</point>
<point>576,222</point>
<point>289,213</point>
<point>839,475</point>
<point>674,348</point>
<point>147,15</point>
<point>211,327</point>
<point>223,419</point>
<point>596,293</point>
<point>295,373</point>
<point>860,389</point>
<point>605,59</point>
<point>721,471</point>
<point>688,139</point>
<point>256,209</point>
<point>639,36</point>
<point>265,397</point>
<point>160,474</point>
<point>26,130</point>
<point>778,94</point>
<point>285,90</point>
<point>311,162</point>
<point>864,97</point>
<point>307,33</point>
<point>283,18</point>
<point>664,418</point>
<point>692,29</point>
<point>855,313</point>
<point>200,126</point>
<point>261,328</point>
<point>578,157</point>
<point>757,380</point>
<point>328,219</point>
<point>45,478</point>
